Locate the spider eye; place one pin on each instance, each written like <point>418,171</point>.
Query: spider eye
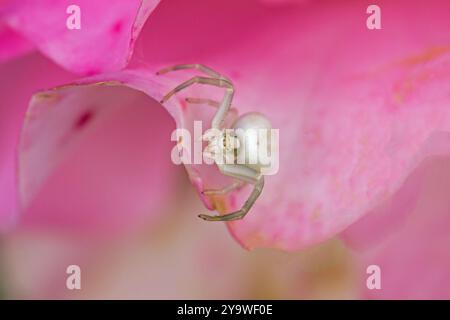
<point>224,140</point>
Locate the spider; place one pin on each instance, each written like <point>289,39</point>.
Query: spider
<point>231,145</point>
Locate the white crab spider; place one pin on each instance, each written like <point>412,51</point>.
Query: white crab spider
<point>230,144</point>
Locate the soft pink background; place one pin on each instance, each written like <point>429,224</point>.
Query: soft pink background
<point>85,171</point>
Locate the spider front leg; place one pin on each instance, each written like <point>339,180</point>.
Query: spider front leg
<point>244,174</point>
<point>200,67</point>
<point>212,103</point>
<point>221,82</point>
<point>222,111</point>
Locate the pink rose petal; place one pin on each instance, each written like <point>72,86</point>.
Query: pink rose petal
<point>25,76</point>
<point>284,2</point>
<point>12,44</point>
<point>95,155</point>
<point>104,42</point>
<point>356,115</point>
<point>92,156</point>
<point>355,107</point>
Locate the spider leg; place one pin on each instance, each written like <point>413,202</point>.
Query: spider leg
<point>202,68</point>
<point>224,107</point>
<point>239,172</point>
<point>209,102</point>
<point>243,174</point>
<point>233,186</point>
<point>244,210</point>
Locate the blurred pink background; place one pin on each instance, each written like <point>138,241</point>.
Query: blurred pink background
<point>86,176</point>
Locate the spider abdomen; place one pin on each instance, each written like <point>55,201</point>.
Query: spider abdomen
<point>253,132</point>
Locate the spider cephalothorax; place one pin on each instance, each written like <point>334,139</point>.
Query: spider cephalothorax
<point>235,150</point>
<point>223,146</point>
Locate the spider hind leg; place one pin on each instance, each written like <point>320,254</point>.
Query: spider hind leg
<point>240,214</point>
